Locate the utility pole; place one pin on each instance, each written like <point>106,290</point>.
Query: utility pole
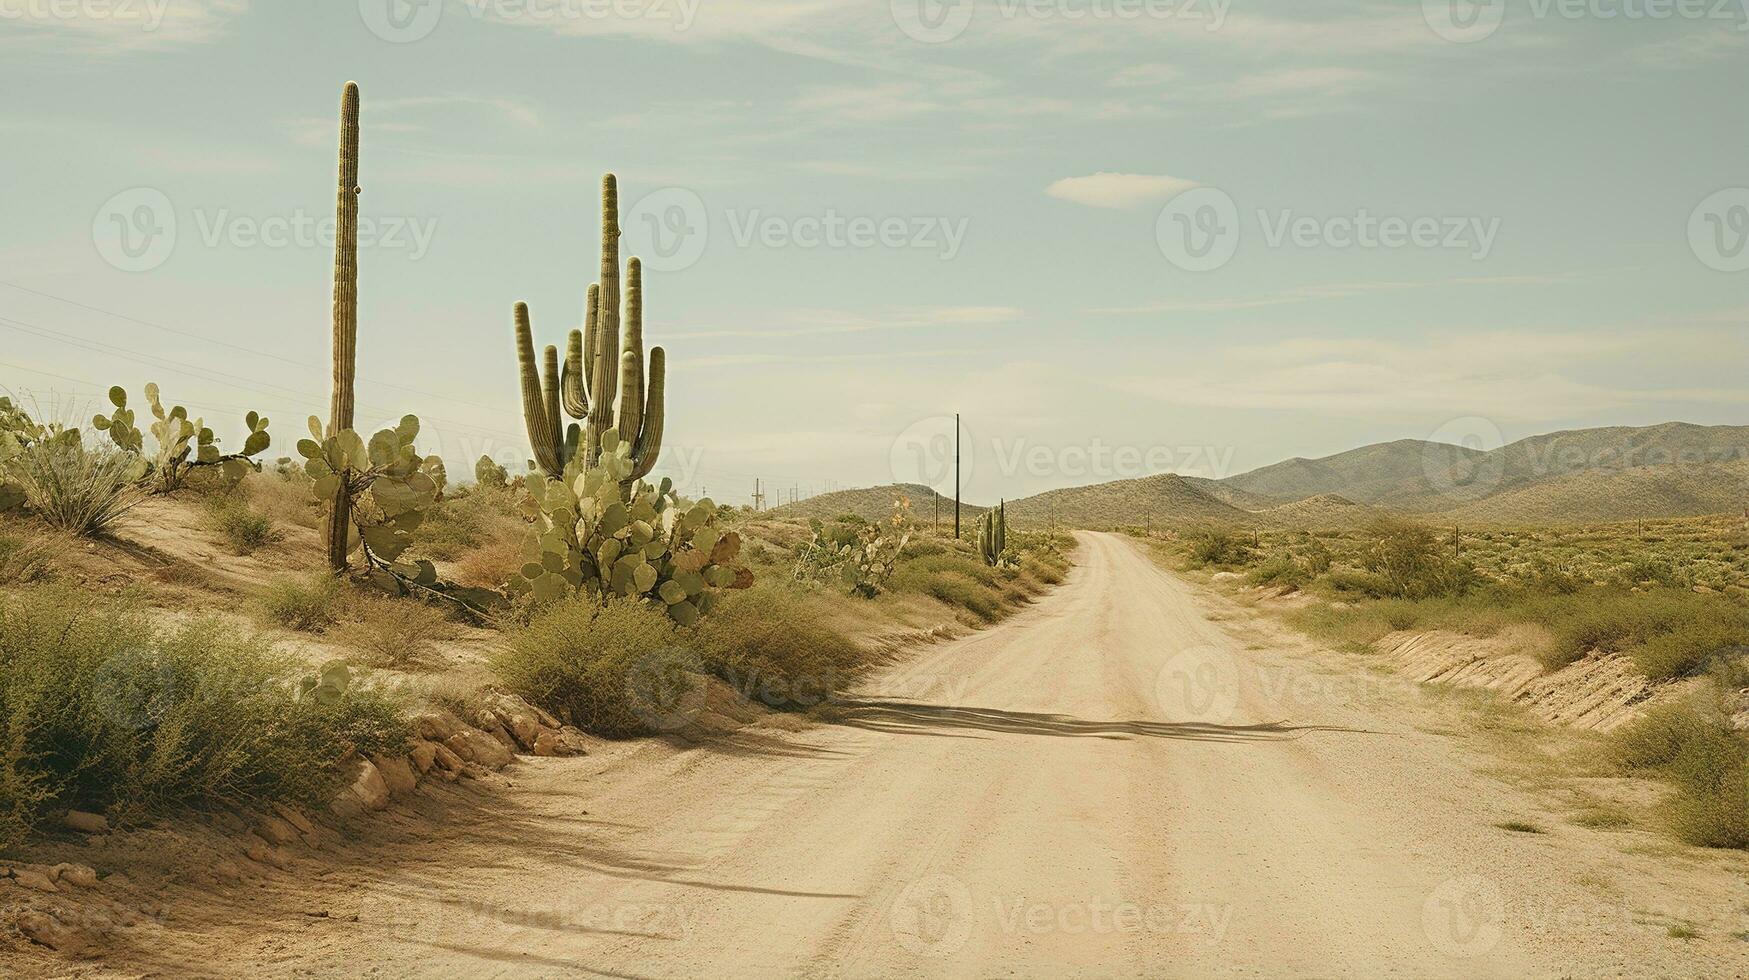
<point>758,496</point>
<point>956,476</point>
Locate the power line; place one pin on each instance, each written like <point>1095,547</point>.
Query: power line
<point>227,344</point>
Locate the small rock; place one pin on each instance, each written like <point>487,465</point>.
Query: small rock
<point>86,823</point>
<point>447,760</point>
<point>296,818</point>
<point>77,875</point>
<point>1225,577</point>
<point>424,756</point>
<point>278,831</point>
<point>46,930</point>
<point>370,788</point>
<point>261,852</point>
<point>228,870</point>
<point>397,773</point>
<point>36,881</point>
<point>565,742</point>
<point>520,718</point>
<point>437,725</point>
<point>474,745</point>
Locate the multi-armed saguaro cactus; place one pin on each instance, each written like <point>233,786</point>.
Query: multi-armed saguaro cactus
<point>600,366</point>
<point>993,534</point>
<point>345,314</point>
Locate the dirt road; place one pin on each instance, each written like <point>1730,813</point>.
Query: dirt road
<point>1110,784</point>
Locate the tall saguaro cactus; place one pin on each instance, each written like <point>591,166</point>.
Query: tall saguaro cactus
<point>345,312</point>
<point>605,383</point>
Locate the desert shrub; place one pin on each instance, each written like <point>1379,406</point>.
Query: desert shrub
<point>1676,631</point>
<point>490,566</point>
<point>305,602</point>
<point>1413,564</point>
<point>1709,763</point>
<point>1279,570</point>
<point>392,632</point>
<point>79,489</point>
<point>1043,570</point>
<point>24,557</point>
<point>1317,557</point>
<point>284,497</point>
<point>773,646</point>
<point>586,661</point>
<point>468,519</point>
<point>243,529</point>
<point>102,711</point>
<point>1550,578</point>
<point>1219,547</point>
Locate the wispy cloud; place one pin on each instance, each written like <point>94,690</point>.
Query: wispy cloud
<point>1114,190</point>
<point>114,28</point>
<point>1329,291</point>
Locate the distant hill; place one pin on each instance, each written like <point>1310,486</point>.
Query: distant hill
<point>1414,475</point>
<point>876,504</point>
<point>1596,496</point>
<point>1327,510</point>
<point>1163,499</point>
<point>1385,473</point>
<point>1242,499</point>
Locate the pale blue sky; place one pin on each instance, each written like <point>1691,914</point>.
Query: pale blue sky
<point>1569,149</point>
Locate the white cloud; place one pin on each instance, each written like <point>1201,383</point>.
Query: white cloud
<point>1113,190</point>
<point>113,28</point>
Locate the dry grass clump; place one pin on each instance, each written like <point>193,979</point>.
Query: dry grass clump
<point>386,631</point>
<point>772,645</point>
<point>595,666</point>
<point>102,711</point>
<point>79,489</point>
<point>284,497</point>
<point>26,554</point>
<point>1696,749</point>
<point>242,527</point>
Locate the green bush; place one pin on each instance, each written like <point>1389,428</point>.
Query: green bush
<point>1280,570</point>
<point>1412,562</point>
<point>243,528</point>
<point>1219,547</point>
<point>1708,762</point>
<point>305,602</point>
<point>102,711</point>
<point>773,646</point>
<point>585,662</point>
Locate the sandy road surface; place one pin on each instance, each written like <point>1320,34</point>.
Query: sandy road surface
<point>1110,784</point>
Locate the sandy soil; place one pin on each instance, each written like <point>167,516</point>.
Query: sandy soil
<point>1126,779</point>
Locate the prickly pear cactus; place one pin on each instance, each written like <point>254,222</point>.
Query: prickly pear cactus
<point>389,488</point>
<point>597,534</point>
<point>16,428</point>
<point>183,445</point>
<point>487,473</point>
<point>328,685</point>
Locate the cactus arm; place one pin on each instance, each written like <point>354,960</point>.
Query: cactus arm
<point>631,405</point>
<point>649,444</point>
<point>607,306</point>
<point>573,388</point>
<point>534,413</point>
<point>345,337</point>
<point>551,399</point>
